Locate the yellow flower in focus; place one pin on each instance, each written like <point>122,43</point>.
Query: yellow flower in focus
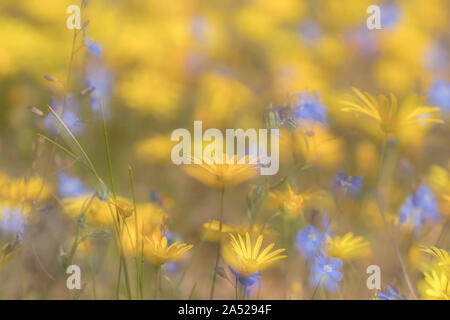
<point>157,250</point>
<point>246,258</point>
<point>348,247</point>
<point>226,174</point>
<point>288,201</point>
<point>387,112</point>
<point>442,256</point>
<point>438,286</point>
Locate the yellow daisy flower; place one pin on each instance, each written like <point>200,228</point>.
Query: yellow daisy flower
<point>438,286</point>
<point>288,201</point>
<point>348,247</point>
<point>246,258</point>
<point>157,250</point>
<point>388,113</point>
<point>226,174</point>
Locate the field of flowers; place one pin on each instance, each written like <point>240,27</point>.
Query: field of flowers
<point>93,207</point>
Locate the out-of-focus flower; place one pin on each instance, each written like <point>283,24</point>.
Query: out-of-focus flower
<point>348,184</point>
<point>391,15</point>
<point>325,272</point>
<point>439,94</point>
<point>391,293</point>
<point>156,149</point>
<point>250,283</point>
<point>71,186</point>
<point>12,221</point>
<point>92,46</point>
<point>439,182</point>
<point>69,117</point>
<point>288,201</point>
<point>124,207</point>
<point>210,231</point>
<point>387,112</point>
<point>246,257</point>
<point>101,213</point>
<point>309,241</point>
<point>24,191</point>
<point>348,247</point>
<point>309,107</point>
<point>226,174</point>
<point>419,208</point>
<point>438,286</point>
<point>158,251</point>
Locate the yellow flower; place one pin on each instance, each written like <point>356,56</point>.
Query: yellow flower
<point>226,174</point>
<point>246,258</point>
<point>210,231</point>
<point>23,190</point>
<point>124,207</point>
<point>442,256</point>
<point>387,112</point>
<point>157,250</point>
<point>438,286</point>
<point>99,212</point>
<point>348,247</point>
<point>288,201</point>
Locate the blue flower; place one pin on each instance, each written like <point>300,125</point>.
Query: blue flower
<point>309,241</point>
<point>249,283</point>
<point>99,78</point>
<point>436,57</point>
<point>310,107</point>
<point>92,46</point>
<point>71,187</point>
<point>69,117</point>
<point>348,184</point>
<point>12,221</point>
<point>156,197</point>
<point>390,294</point>
<point>310,32</point>
<point>439,94</point>
<point>170,267</point>
<point>419,208</point>
<point>325,272</point>
<point>391,15</point>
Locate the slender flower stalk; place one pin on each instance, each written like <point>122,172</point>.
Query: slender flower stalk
<point>216,264</point>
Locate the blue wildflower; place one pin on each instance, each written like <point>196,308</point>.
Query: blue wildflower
<point>325,272</point>
<point>439,94</point>
<point>309,107</point>
<point>309,241</point>
<point>249,283</point>
<point>419,208</point>
<point>156,197</point>
<point>391,15</point>
<point>69,117</point>
<point>100,78</point>
<point>12,221</point>
<point>390,294</point>
<point>71,186</point>
<point>92,46</point>
<point>436,57</point>
<point>348,184</point>
<point>310,32</point>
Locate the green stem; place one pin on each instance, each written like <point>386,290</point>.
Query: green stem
<point>380,202</point>
<point>216,264</point>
